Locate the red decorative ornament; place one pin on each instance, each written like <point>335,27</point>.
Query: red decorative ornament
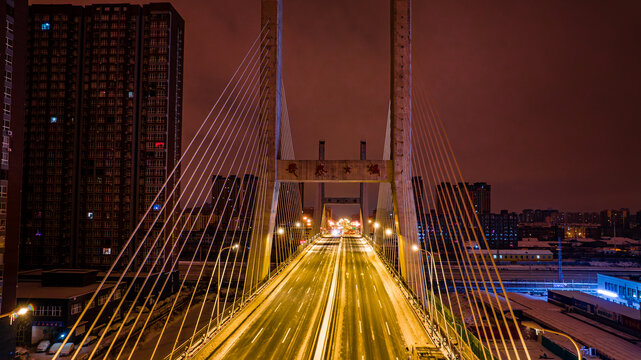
<point>347,169</point>
<point>320,170</point>
<point>373,169</point>
<point>292,168</point>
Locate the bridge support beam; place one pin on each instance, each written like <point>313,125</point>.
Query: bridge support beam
<point>363,194</point>
<point>270,97</point>
<point>401,146</point>
<point>318,206</point>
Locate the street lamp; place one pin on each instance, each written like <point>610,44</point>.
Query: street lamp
<point>431,271</point>
<point>376,225</point>
<point>389,232</point>
<point>217,264</point>
<point>535,326</point>
<point>297,224</point>
<point>280,231</point>
<point>17,313</point>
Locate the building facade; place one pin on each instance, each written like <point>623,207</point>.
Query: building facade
<point>12,68</point>
<point>622,290</point>
<point>103,129</point>
<point>234,196</point>
<point>455,196</point>
<point>501,230</point>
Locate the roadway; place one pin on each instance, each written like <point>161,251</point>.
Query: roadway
<point>337,302</point>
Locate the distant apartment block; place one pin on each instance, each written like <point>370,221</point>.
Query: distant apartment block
<point>455,196</point>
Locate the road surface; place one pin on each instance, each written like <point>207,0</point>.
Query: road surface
<point>337,302</point>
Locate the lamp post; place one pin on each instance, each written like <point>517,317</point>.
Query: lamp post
<point>431,268</point>
<point>16,313</point>
<point>535,326</point>
<point>217,263</point>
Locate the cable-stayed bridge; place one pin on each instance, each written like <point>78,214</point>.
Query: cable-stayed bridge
<point>266,287</point>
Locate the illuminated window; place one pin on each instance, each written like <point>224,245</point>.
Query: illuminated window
<point>45,26</point>
<point>53,120</point>
<point>157,207</point>
<point>130,94</point>
<point>538,256</point>
<point>90,215</point>
<point>106,251</point>
<point>160,145</point>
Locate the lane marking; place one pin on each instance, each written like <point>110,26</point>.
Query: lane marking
<point>277,307</point>
<point>358,303</point>
<point>360,328</point>
<point>373,338</point>
<point>308,290</point>
<point>379,304</point>
<point>285,335</point>
<point>301,305</point>
<point>319,352</point>
<point>388,332</point>
<point>374,287</point>
<point>290,289</point>
<point>356,287</point>
<point>259,331</point>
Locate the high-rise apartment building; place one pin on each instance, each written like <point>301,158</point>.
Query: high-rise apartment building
<point>234,196</point>
<point>102,131</point>
<point>12,69</point>
<point>448,195</point>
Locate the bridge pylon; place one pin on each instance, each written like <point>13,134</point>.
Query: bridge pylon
<point>411,267</point>
<point>271,71</point>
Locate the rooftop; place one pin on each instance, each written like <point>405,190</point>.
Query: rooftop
<point>34,290</point>
<point>512,252</point>
<point>601,303</point>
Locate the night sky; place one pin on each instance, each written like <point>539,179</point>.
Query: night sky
<point>542,99</point>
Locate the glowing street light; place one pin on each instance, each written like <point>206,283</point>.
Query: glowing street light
<point>280,231</point>
<point>16,313</point>
<point>297,224</point>
<point>389,232</point>
<point>376,225</point>
<point>535,326</point>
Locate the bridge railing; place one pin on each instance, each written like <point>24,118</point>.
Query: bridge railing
<point>190,347</point>
<point>450,333</point>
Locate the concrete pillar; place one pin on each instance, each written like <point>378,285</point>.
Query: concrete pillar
<point>401,146</point>
<point>364,204</point>
<point>270,95</point>
<point>318,207</point>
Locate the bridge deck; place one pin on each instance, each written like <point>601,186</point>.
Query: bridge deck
<point>338,291</point>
